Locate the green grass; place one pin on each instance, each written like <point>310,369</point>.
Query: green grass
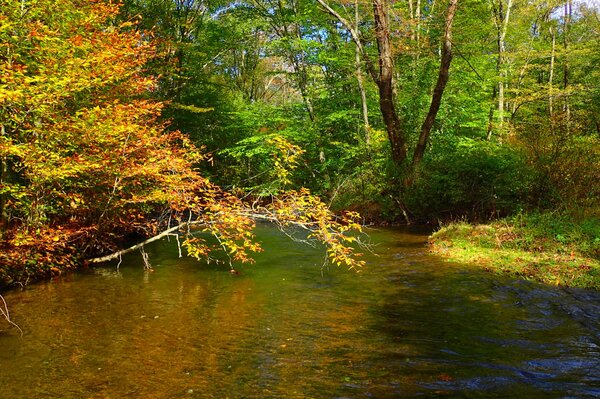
<point>555,249</point>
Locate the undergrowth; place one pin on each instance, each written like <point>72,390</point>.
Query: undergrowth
<point>558,249</point>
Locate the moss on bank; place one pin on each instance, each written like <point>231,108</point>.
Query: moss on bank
<point>553,249</point>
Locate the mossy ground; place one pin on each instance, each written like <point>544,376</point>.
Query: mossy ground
<point>548,248</point>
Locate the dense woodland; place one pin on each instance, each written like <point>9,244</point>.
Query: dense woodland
<point>121,120</point>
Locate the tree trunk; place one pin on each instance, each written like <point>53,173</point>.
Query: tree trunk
<point>551,77</point>
<point>386,82</point>
<point>385,78</point>
<point>363,98</point>
<point>490,127</point>
<point>418,17</point>
<point>501,19</point>
<point>438,91</point>
<point>566,28</point>
<point>502,73</point>
<point>392,122</point>
<point>3,178</point>
<point>361,86</point>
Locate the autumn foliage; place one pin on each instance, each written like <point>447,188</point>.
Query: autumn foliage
<point>84,158</point>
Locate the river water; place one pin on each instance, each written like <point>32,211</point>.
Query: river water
<point>409,325</point>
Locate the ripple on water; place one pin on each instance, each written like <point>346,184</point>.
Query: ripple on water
<point>562,366</point>
<point>408,325</point>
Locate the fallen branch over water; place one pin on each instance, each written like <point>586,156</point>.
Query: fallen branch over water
<point>232,228</point>
<point>227,219</point>
<point>118,254</point>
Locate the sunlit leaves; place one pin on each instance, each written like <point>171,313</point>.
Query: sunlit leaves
<point>285,157</point>
<point>308,211</point>
<point>85,149</point>
<point>86,159</point>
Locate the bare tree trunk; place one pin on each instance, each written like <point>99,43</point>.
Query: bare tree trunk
<point>502,72</point>
<point>363,98</point>
<point>501,102</point>
<point>490,127</point>
<point>566,28</point>
<point>3,213</point>
<point>3,178</point>
<point>361,86</point>
<point>412,17</point>
<point>418,17</point>
<point>501,19</point>
<point>551,76</point>
<point>438,91</point>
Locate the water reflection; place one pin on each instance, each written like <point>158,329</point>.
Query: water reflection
<point>408,325</point>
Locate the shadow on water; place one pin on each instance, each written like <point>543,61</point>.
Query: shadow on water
<point>481,335</point>
<point>409,325</point>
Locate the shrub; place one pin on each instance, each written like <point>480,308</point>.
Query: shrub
<point>469,177</point>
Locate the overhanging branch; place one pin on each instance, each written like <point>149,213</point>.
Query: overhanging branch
<point>157,237</point>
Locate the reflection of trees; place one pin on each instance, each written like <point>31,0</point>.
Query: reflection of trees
<point>127,336</point>
<point>290,332</point>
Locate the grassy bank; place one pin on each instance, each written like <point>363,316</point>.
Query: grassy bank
<point>554,249</point>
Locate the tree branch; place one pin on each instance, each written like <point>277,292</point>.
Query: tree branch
<point>122,252</point>
<point>438,91</point>
<point>165,233</point>
<point>355,37</point>
<point>334,238</point>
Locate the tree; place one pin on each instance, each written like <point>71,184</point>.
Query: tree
<point>501,17</point>
<point>287,68</point>
<point>85,157</point>
<point>384,77</point>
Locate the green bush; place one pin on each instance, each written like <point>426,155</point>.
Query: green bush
<point>465,177</point>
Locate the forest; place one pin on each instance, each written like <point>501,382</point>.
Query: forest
<point>299,199</point>
<point>121,121</point>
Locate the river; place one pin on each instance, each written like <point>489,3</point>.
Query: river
<point>409,325</point>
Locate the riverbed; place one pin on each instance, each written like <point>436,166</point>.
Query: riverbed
<point>408,325</point>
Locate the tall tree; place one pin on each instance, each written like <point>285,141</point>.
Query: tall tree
<point>359,79</point>
<point>383,76</point>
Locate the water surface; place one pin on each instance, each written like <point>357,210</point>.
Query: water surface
<point>409,325</point>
